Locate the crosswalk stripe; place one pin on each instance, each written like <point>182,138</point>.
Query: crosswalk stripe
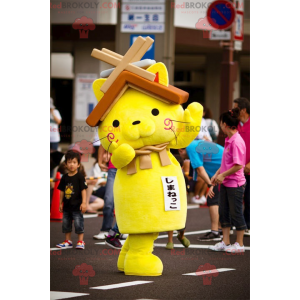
<point>119,285</point>
<point>212,271</point>
<point>53,249</point>
<point>190,246</point>
<point>186,233</point>
<point>64,295</point>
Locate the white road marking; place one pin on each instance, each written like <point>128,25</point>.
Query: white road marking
<point>119,285</point>
<point>191,246</point>
<point>175,245</point>
<point>212,271</point>
<point>53,249</point>
<point>186,233</point>
<point>64,295</point>
<point>90,216</point>
<point>193,206</point>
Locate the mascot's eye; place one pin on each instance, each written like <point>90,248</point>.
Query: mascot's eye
<point>155,111</point>
<point>116,123</point>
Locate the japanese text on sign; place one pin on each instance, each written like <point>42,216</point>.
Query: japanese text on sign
<point>171,193</point>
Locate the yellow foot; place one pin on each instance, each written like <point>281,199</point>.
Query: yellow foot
<point>142,265</point>
<point>122,255</point>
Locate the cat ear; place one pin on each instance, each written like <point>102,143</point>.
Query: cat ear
<point>96,88</point>
<point>161,72</point>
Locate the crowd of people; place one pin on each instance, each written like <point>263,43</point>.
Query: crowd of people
<point>217,176</point>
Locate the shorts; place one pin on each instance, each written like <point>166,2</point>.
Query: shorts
<point>231,207</point>
<point>68,216</point>
<point>215,199</point>
<point>92,199</point>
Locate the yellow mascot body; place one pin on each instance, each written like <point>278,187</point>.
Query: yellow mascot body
<point>144,129</point>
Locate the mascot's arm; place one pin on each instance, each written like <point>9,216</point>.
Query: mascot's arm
<point>193,117</point>
<point>122,155</point>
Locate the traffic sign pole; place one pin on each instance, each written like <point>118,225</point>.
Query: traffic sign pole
<point>228,77</point>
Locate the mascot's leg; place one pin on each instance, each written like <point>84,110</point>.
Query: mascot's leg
<point>139,259</point>
<point>122,255</point>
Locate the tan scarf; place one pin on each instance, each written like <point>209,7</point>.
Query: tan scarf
<point>145,158</point>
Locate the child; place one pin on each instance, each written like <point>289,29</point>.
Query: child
<point>233,183</point>
<point>72,200</point>
<point>180,236</point>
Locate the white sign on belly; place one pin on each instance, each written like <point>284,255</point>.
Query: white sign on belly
<point>171,193</point>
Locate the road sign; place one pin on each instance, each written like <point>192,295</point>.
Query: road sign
<point>220,35</point>
<point>221,14</point>
<point>238,45</point>
<point>239,26</point>
<point>143,18</point>
<point>150,52</point>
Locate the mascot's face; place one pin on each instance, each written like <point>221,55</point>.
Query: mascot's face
<point>140,120</point>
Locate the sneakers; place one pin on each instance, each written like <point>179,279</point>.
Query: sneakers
<point>235,248</point>
<point>66,244</point>
<point>219,247</point>
<point>247,232</point>
<point>210,236</point>
<point>113,241</point>
<point>198,200</point>
<point>123,236</point>
<point>80,245</point>
<point>101,236</point>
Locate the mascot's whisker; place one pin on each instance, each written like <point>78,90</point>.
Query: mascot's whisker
<point>178,121</point>
<point>175,135</point>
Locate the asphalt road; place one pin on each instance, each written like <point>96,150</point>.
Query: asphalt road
<point>226,284</point>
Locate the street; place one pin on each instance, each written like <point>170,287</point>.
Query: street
<point>231,280</point>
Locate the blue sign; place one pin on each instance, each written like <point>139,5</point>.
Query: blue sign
<point>151,51</point>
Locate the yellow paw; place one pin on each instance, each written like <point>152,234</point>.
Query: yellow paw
<point>142,264</point>
<point>122,155</point>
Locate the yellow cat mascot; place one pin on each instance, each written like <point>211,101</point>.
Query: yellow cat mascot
<point>143,129</point>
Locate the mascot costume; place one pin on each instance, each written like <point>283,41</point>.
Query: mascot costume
<point>145,118</point>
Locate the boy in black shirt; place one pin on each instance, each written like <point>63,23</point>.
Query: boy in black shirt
<point>72,200</point>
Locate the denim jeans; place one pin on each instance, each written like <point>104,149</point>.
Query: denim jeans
<point>77,216</point>
<point>116,228</point>
<point>247,202</point>
<point>231,207</point>
<point>108,210</point>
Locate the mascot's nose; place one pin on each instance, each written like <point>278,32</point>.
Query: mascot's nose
<point>136,122</point>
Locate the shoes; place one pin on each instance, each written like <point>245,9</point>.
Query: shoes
<point>198,200</point>
<point>113,241</point>
<point>66,244</point>
<point>80,245</point>
<point>185,242</point>
<point>170,246</point>
<point>235,248</point>
<point>101,236</point>
<point>247,232</point>
<point>219,247</point>
<point>203,200</point>
<point>209,236</point>
<point>123,236</point>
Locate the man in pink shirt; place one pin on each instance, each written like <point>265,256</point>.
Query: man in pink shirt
<point>244,130</point>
